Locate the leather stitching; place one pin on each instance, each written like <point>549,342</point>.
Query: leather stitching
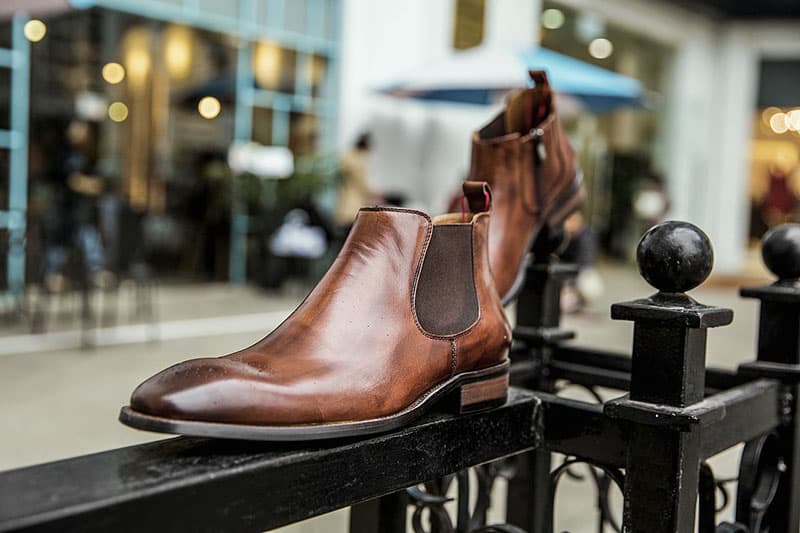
<point>397,210</point>
<point>453,358</point>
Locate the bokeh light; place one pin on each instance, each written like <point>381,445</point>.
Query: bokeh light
<point>601,48</point>
<point>178,51</point>
<point>209,107</point>
<point>136,56</point>
<point>267,64</point>
<point>552,18</point>
<point>34,30</point>
<point>793,119</point>
<point>766,115</point>
<point>118,111</point>
<point>778,122</point>
<point>113,73</point>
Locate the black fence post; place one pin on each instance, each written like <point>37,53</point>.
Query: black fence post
<point>387,513</point>
<point>537,329</point>
<point>778,357</point>
<point>667,374</point>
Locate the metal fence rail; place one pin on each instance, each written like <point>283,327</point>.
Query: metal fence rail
<point>651,442</point>
<point>185,484</point>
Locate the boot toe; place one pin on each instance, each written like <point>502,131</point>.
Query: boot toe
<point>198,389</point>
<point>224,390</point>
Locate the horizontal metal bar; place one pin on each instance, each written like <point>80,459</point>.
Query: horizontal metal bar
<point>600,363</point>
<point>592,357</point>
<point>579,428</point>
<point>591,376</point>
<point>750,410</point>
<point>214,485</point>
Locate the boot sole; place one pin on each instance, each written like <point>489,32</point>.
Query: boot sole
<point>473,391</point>
<point>566,204</point>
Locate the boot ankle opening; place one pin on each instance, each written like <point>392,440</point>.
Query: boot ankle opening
<point>453,218</point>
<point>522,111</point>
<point>496,128</point>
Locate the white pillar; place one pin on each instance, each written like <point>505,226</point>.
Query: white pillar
<point>734,100</point>
<point>685,131</point>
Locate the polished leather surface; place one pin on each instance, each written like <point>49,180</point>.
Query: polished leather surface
<point>353,349</point>
<point>528,191</point>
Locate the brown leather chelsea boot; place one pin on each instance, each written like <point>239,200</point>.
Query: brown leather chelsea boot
<point>528,161</point>
<point>407,316</point>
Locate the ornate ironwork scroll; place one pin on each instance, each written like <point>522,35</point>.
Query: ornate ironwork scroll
<point>432,497</point>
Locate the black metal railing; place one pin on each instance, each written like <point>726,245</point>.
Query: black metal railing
<point>652,442</point>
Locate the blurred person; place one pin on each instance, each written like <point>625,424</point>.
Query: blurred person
<point>780,202</point>
<point>581,250</point>
<point>354,190</point>
<point>69,222</point>
<point>208,216</point>
<point>650,202</point>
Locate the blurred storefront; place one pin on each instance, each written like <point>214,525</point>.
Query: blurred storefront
<point>617,149</point>
<point>158,91</point>
<point>709,71</point>
<point>775,166</point>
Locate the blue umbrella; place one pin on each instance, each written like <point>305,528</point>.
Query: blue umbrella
<point>483,74</point>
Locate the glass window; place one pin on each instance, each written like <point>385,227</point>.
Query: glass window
<point>303,129</point>
<point>5,161</point>
<point>5,34</point>
<point>5,98</point>
<point>318,69</point>
<point>274,67</point>
<point>262,125</point>
<point>4,245</point>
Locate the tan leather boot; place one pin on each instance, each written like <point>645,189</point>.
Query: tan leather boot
<point>528,161</point>
<point>407,315</point>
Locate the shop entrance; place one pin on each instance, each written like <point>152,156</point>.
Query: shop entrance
<point>775,161</point>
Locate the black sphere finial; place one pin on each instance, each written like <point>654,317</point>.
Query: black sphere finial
<point>675,256</point>
<point>780,248</point>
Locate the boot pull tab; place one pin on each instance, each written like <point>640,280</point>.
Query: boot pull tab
<point>539,78</point>
<point>478,195</point>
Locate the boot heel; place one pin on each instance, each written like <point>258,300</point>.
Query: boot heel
<point>483,394</point>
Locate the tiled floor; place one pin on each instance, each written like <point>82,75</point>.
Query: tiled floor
<point>58,403</point>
